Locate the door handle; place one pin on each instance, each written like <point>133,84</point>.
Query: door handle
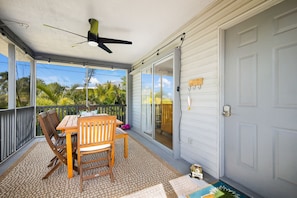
<point>226,111</point>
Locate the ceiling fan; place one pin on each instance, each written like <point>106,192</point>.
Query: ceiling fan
<point>93,37</point>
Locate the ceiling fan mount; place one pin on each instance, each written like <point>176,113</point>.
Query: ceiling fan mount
<point>93,33</point>
<point>93,37</point>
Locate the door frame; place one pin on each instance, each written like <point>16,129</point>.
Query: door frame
<point>221,63</point>
<point>176,114</point>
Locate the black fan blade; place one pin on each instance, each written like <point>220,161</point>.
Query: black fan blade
<point>75,44</point>
<point>101,45</point>
<point>64,30</point>
<point>109,40</point>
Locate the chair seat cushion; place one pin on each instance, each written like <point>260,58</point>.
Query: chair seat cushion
<point>93,148</point>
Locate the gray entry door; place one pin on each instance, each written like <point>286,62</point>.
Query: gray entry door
<point>260,136</point>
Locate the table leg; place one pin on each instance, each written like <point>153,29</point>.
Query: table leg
<point>112,155</point>
<point>69,155</point>
<point>120,136</point>
<point>126,146</point>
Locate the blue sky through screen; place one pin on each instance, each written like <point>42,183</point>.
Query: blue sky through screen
<point>3,63</point>
<point>65,75</point>
<point>68,76</point>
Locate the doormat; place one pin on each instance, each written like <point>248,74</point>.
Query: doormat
<point>218,189</point>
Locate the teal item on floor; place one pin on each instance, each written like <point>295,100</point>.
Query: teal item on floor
<point>219,189</point>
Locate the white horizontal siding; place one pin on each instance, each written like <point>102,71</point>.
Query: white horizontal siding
<point>136,102</point>
<point>199,128</point>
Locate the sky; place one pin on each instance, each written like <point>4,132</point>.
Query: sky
<point>68,76</point>
<point>64,75</point>
<point>166,82</point>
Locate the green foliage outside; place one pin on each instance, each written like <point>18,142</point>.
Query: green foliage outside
<point>103,94</point>
<point>3,90</point>
<point>56,94</point>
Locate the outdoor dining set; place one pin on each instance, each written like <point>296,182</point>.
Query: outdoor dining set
<point>84,143</point>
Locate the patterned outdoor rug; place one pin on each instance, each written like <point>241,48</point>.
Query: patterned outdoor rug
<point>218,189</point>
<point>139,171</point>
<point>186,185</point>
<point>156,191</point>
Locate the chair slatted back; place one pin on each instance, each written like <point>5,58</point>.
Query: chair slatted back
<point>96,130</point>
<point>54,120</point>
<point>47,128</point>
<point>53,116</point>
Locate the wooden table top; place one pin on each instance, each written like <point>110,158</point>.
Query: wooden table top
<point>69,123</point>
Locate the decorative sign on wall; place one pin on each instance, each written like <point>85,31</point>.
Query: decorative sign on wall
<point>198,82</point>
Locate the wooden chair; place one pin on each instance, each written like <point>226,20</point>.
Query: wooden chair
<point>96,136</point>
<point>54,120</point>
<point>57,145</point>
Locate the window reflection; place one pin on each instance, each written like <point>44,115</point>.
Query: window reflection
<point>22,79</point>
<point>147,90</point>
<point>3,74</point>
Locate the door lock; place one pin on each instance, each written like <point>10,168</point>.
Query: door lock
<point>226,111</point>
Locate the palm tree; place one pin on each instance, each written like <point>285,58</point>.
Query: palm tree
<point>52,94</point>
<point>46,92</point>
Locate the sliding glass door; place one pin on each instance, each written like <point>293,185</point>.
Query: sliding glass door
<point>160,101</point>
<point>157,101</point>
<point>163,101</point>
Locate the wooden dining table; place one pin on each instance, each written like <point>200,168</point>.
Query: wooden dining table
<point>68,125</point>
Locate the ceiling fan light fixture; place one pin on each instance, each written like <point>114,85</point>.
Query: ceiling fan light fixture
<point>92,43</point>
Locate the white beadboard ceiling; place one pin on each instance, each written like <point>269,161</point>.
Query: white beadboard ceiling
<point>145,23</point>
